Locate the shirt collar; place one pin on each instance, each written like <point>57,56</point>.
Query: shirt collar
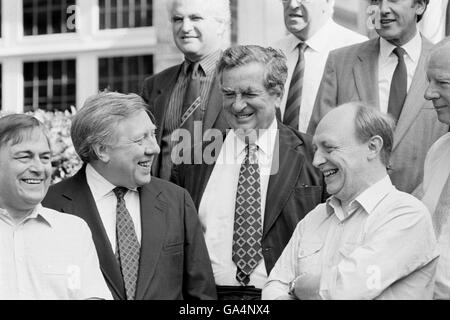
<point>412,48</point>
<point>318,42</point>
<point>265,141</point>
<point>39,212</point>
<point>208,64</point>
<point>366,200</point>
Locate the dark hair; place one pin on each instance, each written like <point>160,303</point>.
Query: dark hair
<point>370,122</point>
<point>14,128</point>
<point>95,122</point>
<point>274,62</point>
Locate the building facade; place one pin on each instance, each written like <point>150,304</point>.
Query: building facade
<point>55,53</point>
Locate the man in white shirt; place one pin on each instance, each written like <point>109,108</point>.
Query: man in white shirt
<point>260,181</point>
<point>44,254</point>
<point>309,22</point>
<point>369,240</point>
<point>388,73</point>
<point>435,189</point>
<point>146,230</point>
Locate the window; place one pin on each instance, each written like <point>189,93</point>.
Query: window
<point>125,13</point>
<point>47,17</point>
<point>234,21</point>
<point>49,85</point>
<point>124,74</point>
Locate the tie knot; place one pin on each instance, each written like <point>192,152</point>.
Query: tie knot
<point>252,153</point>
<point>192,69</point>
<point>120,192</point>
<point>302,46</point>
<point>399,52</point>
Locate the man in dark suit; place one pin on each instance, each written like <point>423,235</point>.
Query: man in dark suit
<point>146,230</point>
<point>388,73</point>
<point>187,96</point>
<point>252,189</point>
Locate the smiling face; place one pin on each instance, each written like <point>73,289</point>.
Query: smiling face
<point>438,91</point>
<point>196,32</point>
<point>25,171</point>
<point>341,157</point>
<point>129,158</point>
<point>303,20</point>
<point>247,103</point>
<point>398,19</point>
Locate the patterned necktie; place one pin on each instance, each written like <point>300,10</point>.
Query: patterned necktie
<point>247,219</point>
<point>128,247</point>
<point>442,209</point>
<point>398,90</point>
<point>294,99</point>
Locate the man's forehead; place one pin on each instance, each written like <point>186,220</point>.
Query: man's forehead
<point>33,140</point>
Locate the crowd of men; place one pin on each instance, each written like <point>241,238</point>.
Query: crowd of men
<point>318,168</point>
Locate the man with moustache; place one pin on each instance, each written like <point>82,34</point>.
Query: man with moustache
<point>388,73</point>
<point>435,189</point>
<point>254,187</point>
<point>187,96</point>
<point>312,35</point>
<point>44,254</point>
<point>369,240</point>
<point>146,230</point>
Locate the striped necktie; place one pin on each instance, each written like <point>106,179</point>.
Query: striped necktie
<point>294,99</point>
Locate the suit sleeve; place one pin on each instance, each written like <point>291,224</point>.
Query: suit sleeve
<point>327,95</point>
<point>198,279</point>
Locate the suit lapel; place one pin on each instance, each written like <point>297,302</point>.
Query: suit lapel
<point>365,72</point>
<point>282,183</point>
<point>214,105</point>
<point>414,99</point>
<point>84,206</point>
<point>161,104</point>
<point>153,235</point>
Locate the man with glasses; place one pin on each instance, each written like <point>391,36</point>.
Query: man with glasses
<point>313,34</point>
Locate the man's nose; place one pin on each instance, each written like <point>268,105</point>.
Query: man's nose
<point>318,159</point>
<point>186,25</point>
<point>239,103</point>
<point>431,93</point>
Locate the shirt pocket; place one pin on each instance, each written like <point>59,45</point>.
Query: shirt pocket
<point>309,257</point>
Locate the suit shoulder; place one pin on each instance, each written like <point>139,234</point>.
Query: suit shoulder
<point>349,50</point>
<point>162,74</point>
<point>166,186</point>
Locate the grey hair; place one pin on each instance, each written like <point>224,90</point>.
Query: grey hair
<point>370,122</point>
<point>220,9</point>
<point>94,123</point>
<point>15,127</point>
<point>274,62</point>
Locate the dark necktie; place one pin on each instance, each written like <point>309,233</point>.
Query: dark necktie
<point>442,211</point>
<point>447,20</point>
<point>398,90</point>
<point>128,247</point>
<point>191,104</point>
<point>247,219</point>
<point>294,99</point>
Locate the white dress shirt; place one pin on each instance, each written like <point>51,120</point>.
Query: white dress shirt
<point>387,62</point>
<point>106,201</point>
<point>216,210</point>
<point>436,172</point>
<point>48,255</point>
<point>331,36</point>
<point>383,248</point>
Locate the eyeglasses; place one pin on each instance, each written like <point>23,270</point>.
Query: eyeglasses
<point>298,1</point>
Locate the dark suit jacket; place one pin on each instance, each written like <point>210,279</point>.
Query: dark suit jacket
<point>157,90</point>
<point>351,74</point>
<point>292,192</point>
<point>174,262</point>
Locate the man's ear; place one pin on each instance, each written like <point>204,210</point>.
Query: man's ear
<point>375,145</point>
<point>101,151</point>
<point>420,7</point>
